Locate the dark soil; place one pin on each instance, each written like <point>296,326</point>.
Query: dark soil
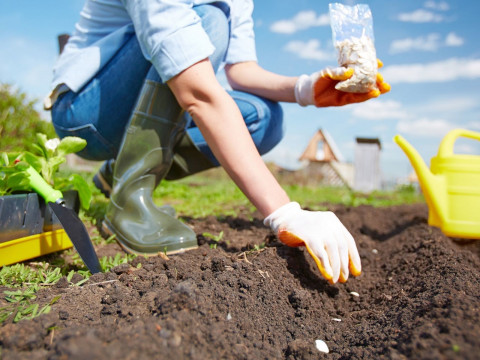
<point>419,297</point>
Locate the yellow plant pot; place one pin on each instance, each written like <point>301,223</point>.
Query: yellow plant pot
<point>33,246</point>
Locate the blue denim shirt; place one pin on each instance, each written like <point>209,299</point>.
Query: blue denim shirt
<point>169,32</point>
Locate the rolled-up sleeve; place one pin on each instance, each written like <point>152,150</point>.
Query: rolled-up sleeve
<point>242,37</point>
<point>170,34</point>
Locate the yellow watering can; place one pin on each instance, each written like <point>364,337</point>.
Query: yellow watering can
<point>452,186</point>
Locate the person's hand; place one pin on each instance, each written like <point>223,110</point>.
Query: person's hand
<point>321,232</point>
<point>319,88</point>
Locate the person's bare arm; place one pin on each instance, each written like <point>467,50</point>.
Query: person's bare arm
<point>317,89</point>
<point>221,123</point>
<point>252,78</point>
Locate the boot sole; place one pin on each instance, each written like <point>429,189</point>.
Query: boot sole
<point>109,232</point>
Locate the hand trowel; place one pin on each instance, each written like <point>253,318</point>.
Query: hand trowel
<point>70,221</point>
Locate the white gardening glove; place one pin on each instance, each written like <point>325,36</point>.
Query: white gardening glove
<point>321,232</point>
<point>319,88</point>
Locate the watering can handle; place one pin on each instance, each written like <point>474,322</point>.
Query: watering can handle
<point>446,146</point>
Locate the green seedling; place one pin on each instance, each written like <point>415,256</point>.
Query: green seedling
<point>216,238</point>
<point>21,296</point>
<point>21,302</point>
<point>21,307</point>
<point>107,262</point>
<point>258,247</point>
<point>84,275</point>
<point>46,157</point>
<point>111,239</point>
<point>49,154</point>
<point>13,176</point>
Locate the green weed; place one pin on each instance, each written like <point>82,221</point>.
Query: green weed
<point>18,275</point>
<point>215,238</point>
<point>107,262</point>
<point>21,307</point>
<point>258,247</point>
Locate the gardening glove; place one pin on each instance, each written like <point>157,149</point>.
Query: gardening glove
<point>319,88</point>
<point>321,232</point>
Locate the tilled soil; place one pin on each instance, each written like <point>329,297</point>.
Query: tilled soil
<point>418,298</point>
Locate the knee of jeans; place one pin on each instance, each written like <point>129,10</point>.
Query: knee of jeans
<point>98,147</point>
<point>215,24</point>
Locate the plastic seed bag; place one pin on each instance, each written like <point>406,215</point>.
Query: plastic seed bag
<point>352,30</point>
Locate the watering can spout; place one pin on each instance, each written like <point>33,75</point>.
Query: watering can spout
<point>433,186</point>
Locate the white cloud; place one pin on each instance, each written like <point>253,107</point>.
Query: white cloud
<point>473,125</point>
<point>425,127</point>
<point>453,39</point>
<point>379,110</point>
<point>309,50</point>
<point>441,71</point>
<point>430,42</point>
<point>303,20</point>
<point>420,16</point>
<point>450,105</point>
<point>440,6</point>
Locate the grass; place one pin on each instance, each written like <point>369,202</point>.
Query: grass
<point>21,307</point>
<point>201,196</point>
<point>213,193</point>
<point>20,303</point>
<point>26,279</point>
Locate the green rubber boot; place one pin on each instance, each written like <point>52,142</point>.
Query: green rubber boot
<point>103,180</point>
<point>144,159</point>
<point>187,160</point>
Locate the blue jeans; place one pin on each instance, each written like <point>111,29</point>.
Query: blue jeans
<point>100,111</point>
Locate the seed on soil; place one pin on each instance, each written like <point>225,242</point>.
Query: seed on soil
<point>354,293</point>
<point>336,319</point>
<point>375,251</point>
<point>322,346</point>
<point>264,274</point>
<point>229,317</point>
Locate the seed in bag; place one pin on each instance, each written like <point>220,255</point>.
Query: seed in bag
<point>352,30</point>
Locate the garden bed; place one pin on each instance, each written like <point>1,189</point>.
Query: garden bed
<point>418,298</point>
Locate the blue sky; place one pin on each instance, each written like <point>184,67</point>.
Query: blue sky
<point>430,51</point>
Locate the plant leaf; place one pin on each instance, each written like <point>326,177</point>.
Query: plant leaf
<point>70,144</point>
<point>5,160</point>
<point>22,166</point>
<point>84,192</point>
<point>54,162</point>
<point>19,181</point>
<point>35,161</point>
<point>42,140</point>
<point>38,150</point>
